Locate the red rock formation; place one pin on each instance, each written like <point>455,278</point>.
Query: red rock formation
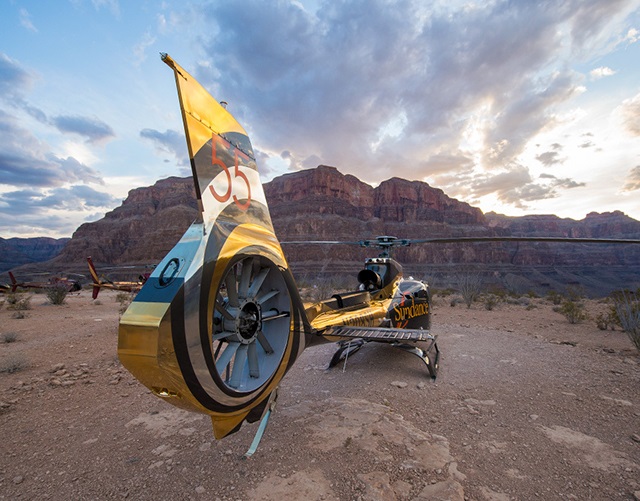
<point>323,204</point>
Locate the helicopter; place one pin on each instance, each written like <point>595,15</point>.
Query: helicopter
<point>220,320</point>
<point>99,283</point>
<point>71,285</point>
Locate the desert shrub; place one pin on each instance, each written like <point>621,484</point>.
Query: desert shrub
<point>57,294</point>
<point>490,302</point>
<point>627,307</point>
<point>470,285</point>
<point>455,300</point>
<point>554,297</point>
<point>442,292</point>
<point>575,293</point>
<point>124,298</point>
<point>19,302</point>
<point>573,311</point>
<point>607,320</point>
<point>13,363</point>
<point>9,337</point>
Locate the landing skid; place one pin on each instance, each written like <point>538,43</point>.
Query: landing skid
<point>398,338</point>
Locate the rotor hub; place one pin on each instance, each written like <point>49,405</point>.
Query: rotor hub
<point>248,322</point>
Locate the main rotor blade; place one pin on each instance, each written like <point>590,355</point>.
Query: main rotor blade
<point>323,242</point>
<point>402,242</point>
<point>453,240</point>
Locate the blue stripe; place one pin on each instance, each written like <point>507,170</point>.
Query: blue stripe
<point>153,292</point>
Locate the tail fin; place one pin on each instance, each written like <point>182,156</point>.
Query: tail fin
<point>94,277</point>
<point>14,282</point>
<point>219,322</point>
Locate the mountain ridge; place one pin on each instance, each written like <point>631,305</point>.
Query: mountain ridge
<point>324,204</point>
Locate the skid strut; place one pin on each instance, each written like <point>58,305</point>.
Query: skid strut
<point>399,338</point>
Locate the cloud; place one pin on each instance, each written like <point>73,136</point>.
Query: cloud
<point>474,83</point>
<point>93,129</point>
<point>602,71</point>
<point>46,211</point>
<point>25,20</point>
<point>14,80</point>
<point>112,5</point>
<point>38,201</point>
<point>549,158</point>
<point>140,49</point>
<point>40,223</point>
<point>630,111</point>
<point>169,141</point>
<point>25,161</point>
<point>632,183</point>
<point>632,36</point>
<point>515,186</point>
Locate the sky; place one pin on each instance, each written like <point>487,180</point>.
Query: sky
<point>518,107</point>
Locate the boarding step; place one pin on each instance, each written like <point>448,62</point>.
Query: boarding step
<point>390,334</point>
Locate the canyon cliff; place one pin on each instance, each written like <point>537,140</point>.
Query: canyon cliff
<point>324,204</point>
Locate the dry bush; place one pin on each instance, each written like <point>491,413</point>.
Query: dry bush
<point>573,311</point>
<point>470,285</point>
<point>607,320</point>
<point>554,297</point>
<point>57,294</point>
<point>627,307</point>
<point>8,337</point>
<point>124,298</point>
<point>491,301</point>
<point>18,302</point>
<point>13,363</point>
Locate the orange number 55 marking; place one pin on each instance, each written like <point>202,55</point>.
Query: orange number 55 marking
<point>237,173</point>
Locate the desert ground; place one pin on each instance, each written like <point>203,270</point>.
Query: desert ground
<point>526,406</point>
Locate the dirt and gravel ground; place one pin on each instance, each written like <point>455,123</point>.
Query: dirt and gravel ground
<point>526,406</point>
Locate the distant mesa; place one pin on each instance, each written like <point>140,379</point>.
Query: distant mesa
<point>324,204</point>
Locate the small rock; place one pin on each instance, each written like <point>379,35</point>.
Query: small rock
<point>399,384</point>
<point>533,417</point>
<point>635,437</point>
<point>18,479</point>
<point>200,490</point>
<point>56,368</point>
